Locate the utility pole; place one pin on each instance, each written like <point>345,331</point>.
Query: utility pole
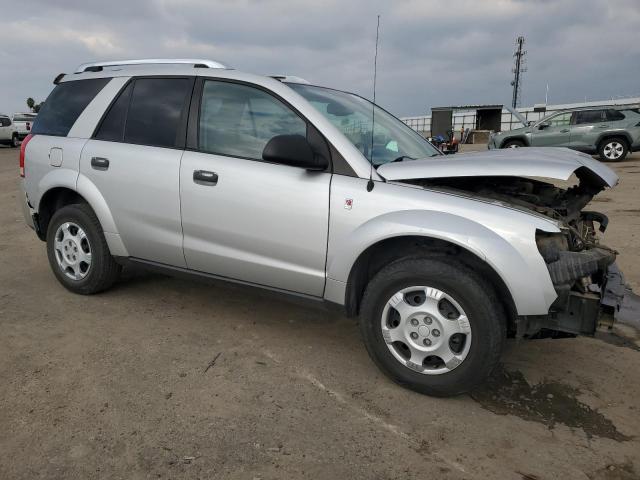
<point>518,69</point>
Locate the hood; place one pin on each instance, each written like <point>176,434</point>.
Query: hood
<point>518,115</point>
<point>556,163</point>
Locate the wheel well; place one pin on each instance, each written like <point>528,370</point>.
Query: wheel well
<point>52,201</point>
<point>610,136</point>
<point>522,140</point>
<point>374,258</point>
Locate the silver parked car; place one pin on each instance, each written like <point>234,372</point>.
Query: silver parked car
<point>189,167</point>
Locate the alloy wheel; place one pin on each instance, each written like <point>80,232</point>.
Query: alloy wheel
<point>613,150</point>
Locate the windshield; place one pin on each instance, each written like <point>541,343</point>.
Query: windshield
<point>392,141</point>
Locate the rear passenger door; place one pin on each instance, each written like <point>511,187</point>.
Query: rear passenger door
<point>587,126</point>
<point>244,218</point>
<point>134,161</point>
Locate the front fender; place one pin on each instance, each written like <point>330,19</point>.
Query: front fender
<point>512,252</point>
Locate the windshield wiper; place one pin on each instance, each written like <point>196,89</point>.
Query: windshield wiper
<point>403,157</point>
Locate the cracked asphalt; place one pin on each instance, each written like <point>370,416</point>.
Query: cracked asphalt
<point>166,378</point>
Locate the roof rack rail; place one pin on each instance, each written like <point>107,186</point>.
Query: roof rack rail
<point>196,62</point>
<point>290,79</point>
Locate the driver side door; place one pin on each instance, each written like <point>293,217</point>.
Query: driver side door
<point>553,132</point>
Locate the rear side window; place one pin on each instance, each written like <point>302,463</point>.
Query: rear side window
<point>614,115</point>
<point>64,105</point>
<point>112,127</point>
<point>589,116</point>
<point>156,108</point>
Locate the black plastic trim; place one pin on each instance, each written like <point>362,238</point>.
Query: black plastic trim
<point>186,273</point>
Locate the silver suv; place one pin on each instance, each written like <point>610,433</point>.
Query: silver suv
<point>190,167</point>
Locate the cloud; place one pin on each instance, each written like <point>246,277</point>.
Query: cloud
<point>431,53</point>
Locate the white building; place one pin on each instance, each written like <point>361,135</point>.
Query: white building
<point>464,117</point>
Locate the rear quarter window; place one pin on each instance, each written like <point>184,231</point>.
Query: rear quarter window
<point>64,105</point>
<point>614,115</point>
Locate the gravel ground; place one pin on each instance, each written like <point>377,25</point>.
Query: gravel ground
<point>124,384</point>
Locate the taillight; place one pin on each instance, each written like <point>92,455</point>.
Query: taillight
<point>28,126</point>
<point>23,148</point>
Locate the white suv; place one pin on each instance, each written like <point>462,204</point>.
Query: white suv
<point>8,132</point>
<point>188,166</point>
<point>23,123</point>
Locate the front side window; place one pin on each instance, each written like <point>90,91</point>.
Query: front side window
<point>559,120</point>
<point>353,116</point>
<point>5,122</point>
<point>589,116</point>
<point>64,105</point>
<point>239,120</point>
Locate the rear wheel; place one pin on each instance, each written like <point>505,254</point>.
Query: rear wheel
<point>15,141</point>
<point>432,326</point>
<point>78,252</point>
<point>513,144</point>
<point>613,149</point>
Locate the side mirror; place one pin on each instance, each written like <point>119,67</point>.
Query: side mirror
<point>543,125</point>
<point>293,150</point>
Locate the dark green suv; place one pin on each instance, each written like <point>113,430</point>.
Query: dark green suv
<point>610,132</point>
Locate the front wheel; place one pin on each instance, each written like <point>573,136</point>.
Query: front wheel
<point>78,252</point>
<point>432,326</point>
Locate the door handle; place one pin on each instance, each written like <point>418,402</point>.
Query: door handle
<point>564,130</point>
<point>602,126</point>
<point>99,163</point>
<point>204,177</point>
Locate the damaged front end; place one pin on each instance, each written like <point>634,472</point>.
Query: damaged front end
<point>590,287</point>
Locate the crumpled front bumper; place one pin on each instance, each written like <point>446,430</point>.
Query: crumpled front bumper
<point>612,296</point>
<point>580,313</point>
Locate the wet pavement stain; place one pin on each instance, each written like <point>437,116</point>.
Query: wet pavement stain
<point>613,338</point>
<point>549,403</point>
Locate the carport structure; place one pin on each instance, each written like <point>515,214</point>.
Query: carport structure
<point>474,117</point>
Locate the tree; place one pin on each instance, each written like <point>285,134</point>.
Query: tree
<point>37,107</point>
<point>31,103</point>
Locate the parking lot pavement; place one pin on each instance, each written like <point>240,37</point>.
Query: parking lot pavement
<point>123,384</point>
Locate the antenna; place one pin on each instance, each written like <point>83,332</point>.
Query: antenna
<point>518,69</point>
<point>373,108</point>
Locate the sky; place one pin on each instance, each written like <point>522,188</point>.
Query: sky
<point>431,53</point>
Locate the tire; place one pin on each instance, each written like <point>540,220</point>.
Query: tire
<point>15,141</point>
<point>485,315</point>
<point>613,149</point>
<point>513,144</point>
<point>75,240</point>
